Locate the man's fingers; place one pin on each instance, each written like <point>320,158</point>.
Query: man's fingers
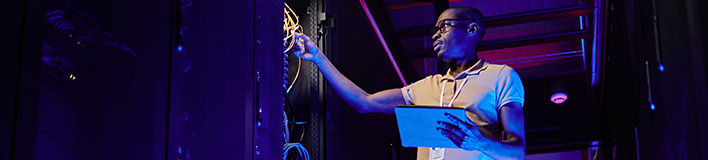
<point>299,49</point>
<point>454,138</point>
<point>452,128</point>
<point>296,42</point>
<point>301,36</point>
<point>300,46</point>
<point>461,124</point>
<point>306,41</point>
<point>307,47</point>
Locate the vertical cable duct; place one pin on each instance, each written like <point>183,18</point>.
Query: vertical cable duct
<point>383,42</point>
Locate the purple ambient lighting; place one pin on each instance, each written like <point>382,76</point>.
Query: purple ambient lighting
<point>383,42</point>
<point>559,98</point>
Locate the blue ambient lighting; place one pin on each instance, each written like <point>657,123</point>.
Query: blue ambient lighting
<point>594,50</point>
<point>582,43</point>
<point>179,149</point>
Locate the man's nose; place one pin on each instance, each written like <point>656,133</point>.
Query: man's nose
<point>436,35</point>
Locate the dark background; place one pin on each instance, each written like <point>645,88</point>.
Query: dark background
<point>207,99</point>
<point>191,91</point>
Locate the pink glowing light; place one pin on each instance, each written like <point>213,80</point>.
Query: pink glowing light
<point>559,98</point>
<point>383,42</point>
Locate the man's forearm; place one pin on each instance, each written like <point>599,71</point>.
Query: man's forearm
<point>510,149</point>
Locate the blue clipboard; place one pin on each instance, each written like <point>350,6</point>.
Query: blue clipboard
<point>417,125</point>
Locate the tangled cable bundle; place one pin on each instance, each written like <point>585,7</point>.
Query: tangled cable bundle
<point>291,26</point>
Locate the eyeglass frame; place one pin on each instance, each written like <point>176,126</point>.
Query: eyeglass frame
<point>444,29</point>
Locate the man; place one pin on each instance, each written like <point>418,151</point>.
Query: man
<point>492,94</point>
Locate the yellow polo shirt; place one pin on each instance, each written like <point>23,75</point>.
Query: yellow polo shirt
<point>488,88</point>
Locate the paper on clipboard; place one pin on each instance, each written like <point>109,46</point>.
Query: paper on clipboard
<point>417,125</point>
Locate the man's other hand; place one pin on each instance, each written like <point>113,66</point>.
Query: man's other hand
<point>464,135</point>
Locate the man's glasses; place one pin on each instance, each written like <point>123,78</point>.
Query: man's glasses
<point>444,27</point>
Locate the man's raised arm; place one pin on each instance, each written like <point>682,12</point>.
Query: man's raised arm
<point>380,102</point>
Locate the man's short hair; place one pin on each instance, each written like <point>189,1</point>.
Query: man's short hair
<point>472,13</point>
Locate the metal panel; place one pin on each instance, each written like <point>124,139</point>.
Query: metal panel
<point>316,122</point>
<point>268,137</point>
<point>109,99</point>
<point>10,66</point>
<point>212,103</point>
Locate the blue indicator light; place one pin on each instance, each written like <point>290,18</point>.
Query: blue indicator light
<point>179,48</point>
<point>179,149</point>
<point>661,67</point>
<point>259,123</point>
<point>652,106</point>
<point>582,44</point>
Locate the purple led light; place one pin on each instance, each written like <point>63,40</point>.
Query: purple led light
<point>559,98</point>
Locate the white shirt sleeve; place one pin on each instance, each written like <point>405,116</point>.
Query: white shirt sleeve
<point>407,94</point>
<point>419,87</point>
<point>509,87</point>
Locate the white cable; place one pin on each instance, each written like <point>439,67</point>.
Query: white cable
<point>455,94</point>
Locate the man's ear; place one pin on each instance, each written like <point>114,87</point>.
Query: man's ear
<point>472,29</point>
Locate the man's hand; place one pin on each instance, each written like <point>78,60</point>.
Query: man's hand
<point>464,135</point>
<point>305,48</point>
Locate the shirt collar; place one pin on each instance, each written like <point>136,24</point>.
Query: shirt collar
<point>474,70</point>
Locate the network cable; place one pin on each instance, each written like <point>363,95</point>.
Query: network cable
<point>302,151</point>
<point>291,26</point>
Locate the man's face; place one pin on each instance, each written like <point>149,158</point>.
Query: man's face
<point>452,40</point>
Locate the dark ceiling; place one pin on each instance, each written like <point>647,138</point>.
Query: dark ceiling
<point>537,37</point>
